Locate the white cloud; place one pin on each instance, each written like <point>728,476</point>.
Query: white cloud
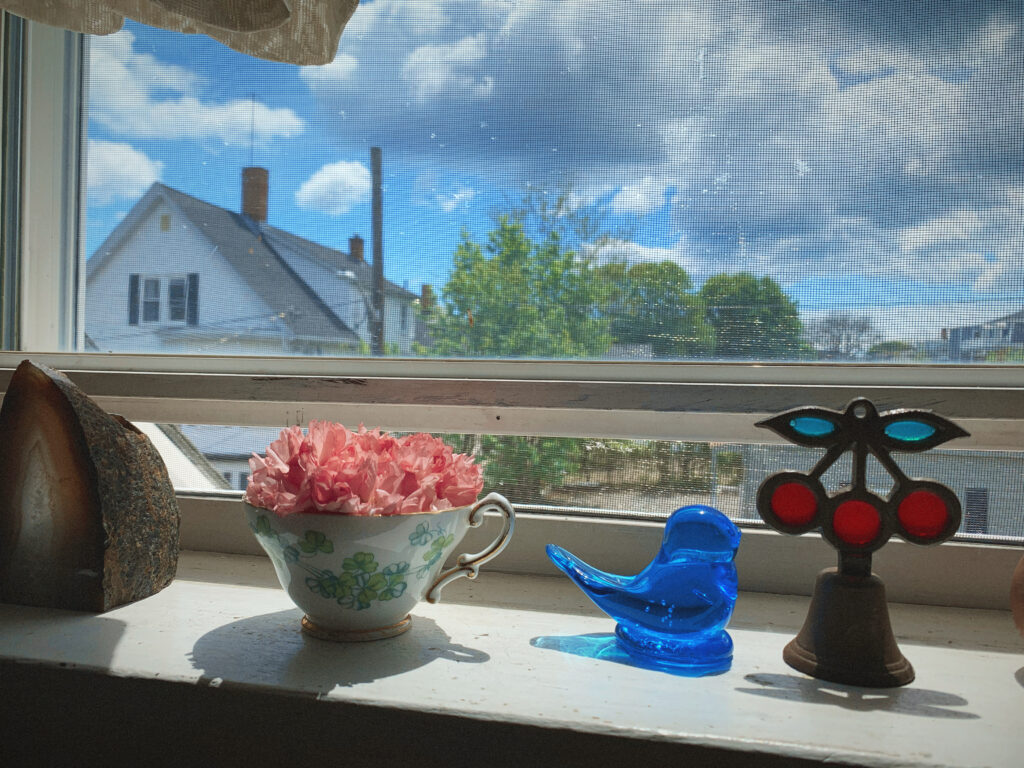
<point>434,70</point>
<point>342,68</point>
<point>644,196</point>
<point>133,94</point>
<point>460,198</point>
<point>959,226</point>
<point>335,188</point>
<point>118,172</point>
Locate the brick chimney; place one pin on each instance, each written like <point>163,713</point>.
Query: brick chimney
<point>426,296</point>
<point>355,248</point>
<point>255,188</point>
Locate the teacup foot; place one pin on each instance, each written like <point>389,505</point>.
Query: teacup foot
<point>354,635</point>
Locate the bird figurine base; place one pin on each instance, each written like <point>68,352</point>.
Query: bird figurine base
<point>709,655</point>
<point>847,637</point>
<point>673,613</point>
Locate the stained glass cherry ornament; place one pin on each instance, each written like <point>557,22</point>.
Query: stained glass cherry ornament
<point>847,637</point>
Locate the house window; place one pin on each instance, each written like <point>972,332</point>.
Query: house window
<point>405,317</point>
<point>151,300</point>
<point>243,480</point>
<point>165,222</point>
<point>228,477</point>
<point>177,288</point>
<point>975,510</point>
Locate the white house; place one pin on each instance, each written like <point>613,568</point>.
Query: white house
<point>975,342</point>
<point>182,275</point>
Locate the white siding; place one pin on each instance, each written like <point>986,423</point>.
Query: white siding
<point>227,307</point>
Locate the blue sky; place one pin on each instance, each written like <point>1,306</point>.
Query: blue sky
<point>868,156</point>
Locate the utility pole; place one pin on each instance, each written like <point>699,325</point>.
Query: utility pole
<point>377,325</point>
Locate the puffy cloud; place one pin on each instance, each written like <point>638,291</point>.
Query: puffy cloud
<point>456,199</point>
<point>433,70</point>
<point>335,188</point>
<point>807,141</point>
<point>342,68</point>
<point>642,197</point>
<point>118,172</point>
<point>133,94</point>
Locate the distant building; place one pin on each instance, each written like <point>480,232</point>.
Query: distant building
<point>228,449</point>
<point>974,342</point>
<point>182,275</point>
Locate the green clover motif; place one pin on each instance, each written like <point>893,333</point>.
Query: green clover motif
<point>437,547</point>
<point>316,541</point>
<point>360,561</point>
<point>262,527</point>
<point>370,590</point>
<point>421,535</point>
<point>395,575</point>
<point>290,554</point>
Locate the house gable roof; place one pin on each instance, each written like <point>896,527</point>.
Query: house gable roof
<point>252,250</point>
<point>245,248</point>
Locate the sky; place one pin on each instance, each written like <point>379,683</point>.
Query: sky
<point>869,156</point>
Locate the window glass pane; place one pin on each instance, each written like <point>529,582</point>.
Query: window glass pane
<point>176,298</point>
<point>151,300</point>
<point>646,479</point>
<point>690,180</point>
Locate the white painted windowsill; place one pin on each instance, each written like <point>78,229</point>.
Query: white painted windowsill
<point>478,681</point>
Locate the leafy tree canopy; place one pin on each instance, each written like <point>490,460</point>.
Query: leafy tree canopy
<point>514,297</point>
<point>653,303</point>
<point>751,317</point>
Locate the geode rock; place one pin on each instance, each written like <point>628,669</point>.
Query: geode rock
<point>88,517</point>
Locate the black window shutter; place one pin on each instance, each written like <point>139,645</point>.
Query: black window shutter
<point>133,299</point>
<point>192,310</point>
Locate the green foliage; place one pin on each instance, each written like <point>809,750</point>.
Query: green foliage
<point>518,298</point>
<point>524,468</point>
<point>1005,355</point>
<point>751,317</point>
<point>652,304</point>
<point>890,350</point>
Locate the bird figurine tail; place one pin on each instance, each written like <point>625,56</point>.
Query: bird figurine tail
<point>589,579</point>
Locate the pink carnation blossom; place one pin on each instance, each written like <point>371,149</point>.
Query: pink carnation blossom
<point>332,470</point>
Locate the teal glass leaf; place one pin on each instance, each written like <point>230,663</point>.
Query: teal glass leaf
<point>812,426</point>
<point>909,431</point>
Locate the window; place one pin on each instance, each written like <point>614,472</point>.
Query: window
<point>176,299</point>
<point>151,300</point>
<point>976,511</point>
<point>705,176</point>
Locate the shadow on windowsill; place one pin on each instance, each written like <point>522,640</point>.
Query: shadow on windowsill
<point>605,647</point>
<point>271,650</point>
<point>920,702</point>
<point>1020,677</point>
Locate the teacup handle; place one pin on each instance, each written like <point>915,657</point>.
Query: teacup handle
<point>469,565</point>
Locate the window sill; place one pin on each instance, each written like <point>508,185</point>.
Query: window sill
<point>216,663</point>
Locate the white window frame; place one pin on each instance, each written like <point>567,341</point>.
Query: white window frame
<point>668,401</point>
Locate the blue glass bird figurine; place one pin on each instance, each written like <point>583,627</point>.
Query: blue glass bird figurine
<point>674,612</point>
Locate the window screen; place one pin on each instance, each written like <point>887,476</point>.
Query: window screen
<point>823,181</point>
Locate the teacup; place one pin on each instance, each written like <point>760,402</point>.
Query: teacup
<point>357,577</point>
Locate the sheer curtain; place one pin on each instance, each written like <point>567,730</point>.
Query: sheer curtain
<point>293,31</point>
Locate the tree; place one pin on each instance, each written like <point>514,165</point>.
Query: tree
<point>752,317</point>
<point>890,350</point>
<point>518,298</point>
<point>842,335</point>
<point>653,304</point>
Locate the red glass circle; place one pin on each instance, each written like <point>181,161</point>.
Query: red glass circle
<point>794,504</point>
<point>923,514</point>
<point>856,522</point>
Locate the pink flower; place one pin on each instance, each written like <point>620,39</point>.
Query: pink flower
<point>333,470</point>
